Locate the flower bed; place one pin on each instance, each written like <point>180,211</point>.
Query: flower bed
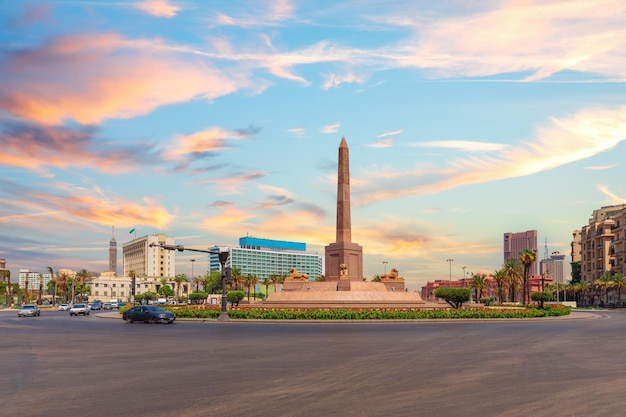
<point>273,313</point>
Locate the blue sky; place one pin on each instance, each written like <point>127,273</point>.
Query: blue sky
<point>209,120</point>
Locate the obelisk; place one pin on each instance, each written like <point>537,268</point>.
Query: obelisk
<point>344,259</point>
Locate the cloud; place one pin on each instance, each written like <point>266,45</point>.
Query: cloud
<point>560,142</point>
<point>602,168</point>
<point>81,204</point>
<point>387,143</point>
<point>334,80</point>
<point>582,35</point>
<point>331,128</point>
<point>35,148</point>
<point>298,131</point>
<point>392,133</point>
<point>159,8</point>
<point>92,77</point>
<point>462,145</point>
<point>613,198</point>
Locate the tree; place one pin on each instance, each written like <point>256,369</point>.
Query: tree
<point>453,296</point>
<point>479,284</point>
<point>54,282</point>
<point>540,297</point>
<point>198,297</point>
<point>250,281</point>
<point>376,278</point>
<point>234,297</point>
<point>576,276</point>
<point>274,278</point>
<point>513,270</point>
<point>500,278</point>
<point>6,275</point>
<point>605,282</point>
<point>266,281</point>
<point>83,275</point>
<point>133,285</point>
<point>320,278</point>
<point>527,258</point>
<point>619,283</point>
<point>236,277</point>
<point>179,279</point>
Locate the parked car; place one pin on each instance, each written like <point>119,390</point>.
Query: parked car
<point>79,308</point>
<point>64,307</point>
<point>149,314</point>
<point>107,306</point>
<point>121,304</point>
<point>96,305</point>
<point>29,310</point>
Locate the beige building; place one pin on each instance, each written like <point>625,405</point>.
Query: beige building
<point>602,243</point>
<point>108,287</point>
<point>149,261</point>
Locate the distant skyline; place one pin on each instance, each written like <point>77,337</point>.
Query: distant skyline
<point>209,121</point>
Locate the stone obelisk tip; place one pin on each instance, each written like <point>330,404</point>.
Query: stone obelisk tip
<point>343,143</point>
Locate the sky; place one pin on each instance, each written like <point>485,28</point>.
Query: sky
<point>213,120</point>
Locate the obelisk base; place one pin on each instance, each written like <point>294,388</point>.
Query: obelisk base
<point>344,253</point>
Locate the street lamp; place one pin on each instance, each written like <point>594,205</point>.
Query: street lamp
<point>385,263</point>
<point>223,256</point>
<point>449,261</point>
<point>463,271</point>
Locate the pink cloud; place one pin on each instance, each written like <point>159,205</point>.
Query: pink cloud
<point>159,8</point>
<point>92,77</point>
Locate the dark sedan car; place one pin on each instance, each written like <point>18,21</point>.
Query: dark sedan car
<point>149,314</point>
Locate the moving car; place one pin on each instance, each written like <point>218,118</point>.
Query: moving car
<point>149,314</point>
<point>29,310</point>
<point>96,305</point>
<point>79,308</point>
<point>64,307</point>
<point>107,306</point>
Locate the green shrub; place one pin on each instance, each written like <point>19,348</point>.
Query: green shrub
<point>540,296</point>
<point>453,296</point>
<point>234,297</point>
<point>487,300</point>
<point>198,297</point>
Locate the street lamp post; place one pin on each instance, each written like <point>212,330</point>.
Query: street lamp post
<point>464,271</point>
<point>223,255</point>
<point>385,263</point>
<point>449,261</point>
<point>192,262</point>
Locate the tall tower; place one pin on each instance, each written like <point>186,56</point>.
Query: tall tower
<point>344,259</point>
<point>113,252</point>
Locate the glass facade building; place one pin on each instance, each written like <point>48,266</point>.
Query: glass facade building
<point>265,257</point>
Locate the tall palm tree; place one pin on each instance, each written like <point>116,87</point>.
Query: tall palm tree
<point>26,297</point>
<point>605,282</point>
<point>6,274</point>
<point>250,281</point>
<point>54,281</point>
<point>527,258</point>
<point>501,279</point>
<point>619,283</point>
<point>274,278</point>
<point>83,275</point>
<point>266,281</point>
<point>235,276</point>
<point>40,288</point>
<point>179,279</point>
<point>479,284</point>
<point>513,271</point>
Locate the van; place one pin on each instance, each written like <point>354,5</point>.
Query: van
<point>162,301</point>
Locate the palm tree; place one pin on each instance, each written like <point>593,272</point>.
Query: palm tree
<point>179,279</point>
<point>527,258</point>
<point>274,278</point>
<point>605,281</point>
<point>376,278</point>
<point>513,271</point>
<point>250,280</point>
<point>40,288</point>
<point>501,279</point>
<point>266,281</point>
<point>133,284</point>
<point>6,274</point>
<point>479,283</point>
<point>25,297</point>
<point>83,275</point>
<point>235,275</point>
<point>619,282</point>
<point>62,279</point>
<point>54,281</point>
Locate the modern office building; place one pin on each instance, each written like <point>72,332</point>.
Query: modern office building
<point>149,261</point>
<point>516,243</point>
<point>602,243</point>
<point>554,267</point>
<point>265,257</point>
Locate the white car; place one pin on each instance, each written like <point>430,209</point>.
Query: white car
<point>64,307</point>
<point>29,310</point>
<point>80,308</point>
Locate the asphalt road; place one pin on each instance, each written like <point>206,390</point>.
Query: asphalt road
<point>56,365</point>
